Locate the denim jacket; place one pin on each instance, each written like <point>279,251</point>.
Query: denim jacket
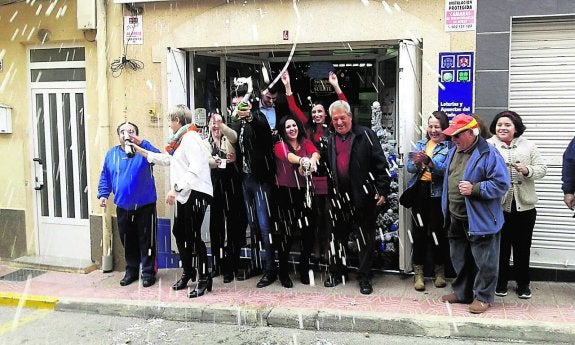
<point>438,159</point>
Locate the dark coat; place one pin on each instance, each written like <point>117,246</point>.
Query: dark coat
<point>368,168</point>
<point>257,144</point>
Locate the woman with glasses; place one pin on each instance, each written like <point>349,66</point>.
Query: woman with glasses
<point>228,219</point>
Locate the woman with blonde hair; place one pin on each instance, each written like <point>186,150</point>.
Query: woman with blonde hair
<point>191,192</point>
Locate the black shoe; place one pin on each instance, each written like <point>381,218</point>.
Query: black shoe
<point>228,278</point>
<point>183,282</point>
<point>501,292</point>
<point>286,281</point>
<point>148,281</point>
<point>267,279</point>
<point>332,281</point>
<point>304,279</point>
<point>365,287</point>
<point>523,291</point>
<point>128,279</point>
<point>204,284</point>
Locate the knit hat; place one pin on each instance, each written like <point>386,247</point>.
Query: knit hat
<point>460,123</point>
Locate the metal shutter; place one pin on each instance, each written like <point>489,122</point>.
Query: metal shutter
<point>542,91</point>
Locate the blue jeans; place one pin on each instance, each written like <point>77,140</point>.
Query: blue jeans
<point>258,205</point>
<point>475,259</point>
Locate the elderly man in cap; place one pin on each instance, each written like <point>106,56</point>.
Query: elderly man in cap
<point>475,181</point>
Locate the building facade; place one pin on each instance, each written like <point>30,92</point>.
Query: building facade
<point>71,77</point>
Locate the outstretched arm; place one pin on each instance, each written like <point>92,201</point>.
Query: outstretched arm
<point>294,109</point>
<point>332,77</point>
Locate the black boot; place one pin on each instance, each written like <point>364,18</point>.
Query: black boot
<point>267,279</point>
<point>205,283</point>
<point>183,282</point>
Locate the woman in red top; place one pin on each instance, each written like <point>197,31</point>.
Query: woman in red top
<point>317,123</point>
<point>296,159</point>
<point>317,128</point>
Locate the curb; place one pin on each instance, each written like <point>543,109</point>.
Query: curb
<point>380,323</point>
<point>27,301</point>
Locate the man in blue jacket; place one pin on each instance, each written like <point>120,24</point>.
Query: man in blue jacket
<point>131,180</point>
<point>475,181</point>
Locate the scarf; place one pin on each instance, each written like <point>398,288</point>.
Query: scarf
<point>174,141</point>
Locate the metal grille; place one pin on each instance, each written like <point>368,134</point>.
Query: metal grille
<point>542,90</point>
<point>21,275</point>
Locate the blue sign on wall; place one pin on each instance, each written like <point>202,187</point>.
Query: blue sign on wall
<point>456,83</point>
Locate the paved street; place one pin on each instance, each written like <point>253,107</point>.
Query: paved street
<point>31,326</point>
<point>394,307</point>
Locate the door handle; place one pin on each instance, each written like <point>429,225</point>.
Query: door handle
<point>39,174</point>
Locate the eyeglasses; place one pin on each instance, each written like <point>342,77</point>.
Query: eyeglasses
<point>456,136</point>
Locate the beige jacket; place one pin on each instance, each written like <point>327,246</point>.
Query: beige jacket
<point>522,187</point>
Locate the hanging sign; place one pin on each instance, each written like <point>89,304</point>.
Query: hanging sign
<point>460,15</point>
<point>133,30</point>
<point>456,83</point>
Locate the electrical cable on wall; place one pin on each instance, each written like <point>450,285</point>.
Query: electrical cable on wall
<point>118,65</point>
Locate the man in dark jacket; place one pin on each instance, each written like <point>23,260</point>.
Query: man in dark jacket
<point>568,175</point>
<point>257,162</point>
<point>359,173</point>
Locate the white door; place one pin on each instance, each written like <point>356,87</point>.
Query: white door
<point>542,91</point>
<point>59,163</point>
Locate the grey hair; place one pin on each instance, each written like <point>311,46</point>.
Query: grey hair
<point>182,113</point>
<point>339,104</point>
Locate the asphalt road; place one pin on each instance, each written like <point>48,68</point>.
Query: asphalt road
<point>34,326</point>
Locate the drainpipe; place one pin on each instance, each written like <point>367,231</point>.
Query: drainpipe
<point>103,122</point>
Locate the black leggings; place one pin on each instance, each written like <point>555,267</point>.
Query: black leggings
<point>429,210</point>
<point>188,232</point>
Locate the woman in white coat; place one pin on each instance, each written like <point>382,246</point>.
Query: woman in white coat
<point>191,192</point>
<point>525,166</point>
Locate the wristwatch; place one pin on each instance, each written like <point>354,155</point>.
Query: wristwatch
<point>176,188</point>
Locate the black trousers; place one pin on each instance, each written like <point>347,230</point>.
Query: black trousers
<point>228,223</point>
<point>361,221</point>
<point>293,221</point>
<point>516,235</point>
<point>137,230</point>
<point>429,210</point>
<point>321,223</point>
<point>188,232</point>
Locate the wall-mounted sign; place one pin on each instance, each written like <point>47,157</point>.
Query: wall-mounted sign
<point>456,83</point>
<point>460,15</point>
<point>133,30</point>
<point>321,86</point>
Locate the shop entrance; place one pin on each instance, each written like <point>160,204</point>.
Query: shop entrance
<point>388,73</point>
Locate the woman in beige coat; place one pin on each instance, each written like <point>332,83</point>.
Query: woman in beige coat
<point>525,166</point>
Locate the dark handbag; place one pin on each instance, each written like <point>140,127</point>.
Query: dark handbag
<point>410,195</point>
